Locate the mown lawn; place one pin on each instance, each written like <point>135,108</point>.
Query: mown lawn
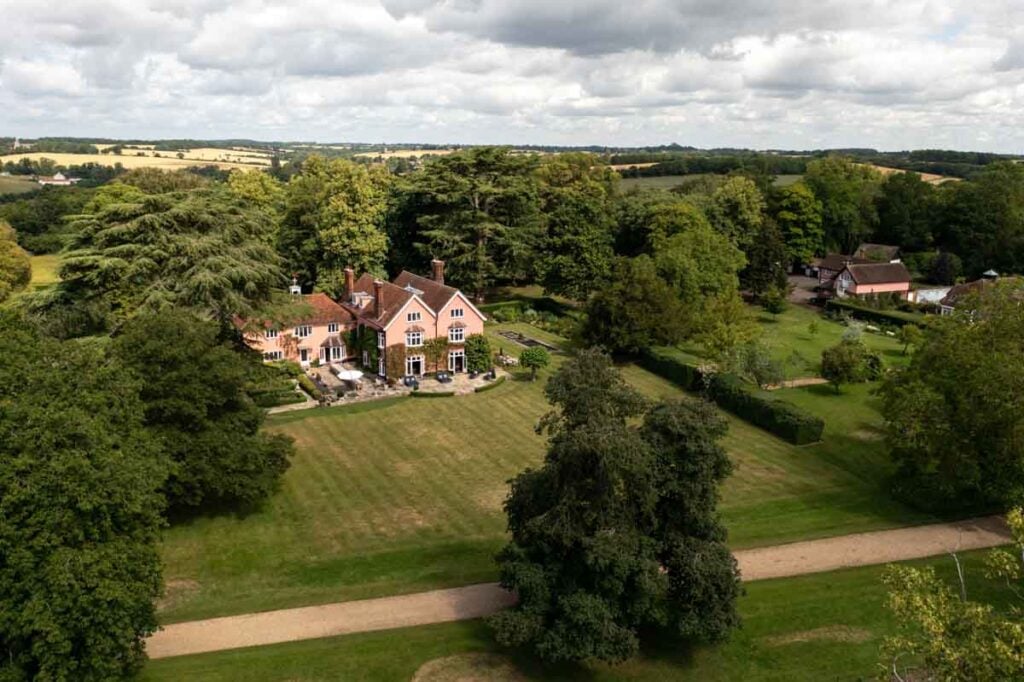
<point>820,627</point>
<point>791,342</point>
<point>406,495</point>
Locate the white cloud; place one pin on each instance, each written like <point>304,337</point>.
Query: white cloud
<point>762,73</point>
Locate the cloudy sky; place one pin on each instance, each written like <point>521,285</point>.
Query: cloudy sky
<point>800,74</point>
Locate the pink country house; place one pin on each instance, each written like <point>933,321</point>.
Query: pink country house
<point>405,312</point>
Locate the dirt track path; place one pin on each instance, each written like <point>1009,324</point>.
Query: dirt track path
<point>476,601</point>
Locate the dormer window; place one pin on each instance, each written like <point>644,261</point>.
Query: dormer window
<point>271,334</point>
<point>332,328</point>
<point>457,313</point>
<point>303,330</point>
<point>413,317</point>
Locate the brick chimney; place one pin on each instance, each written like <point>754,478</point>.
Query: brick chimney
<point>378,298</point>
<point>437,270</point>
<point>350,283</point>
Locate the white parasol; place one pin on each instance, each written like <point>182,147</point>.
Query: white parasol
<point>350,375</point>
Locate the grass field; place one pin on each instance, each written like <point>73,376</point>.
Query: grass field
<point>406,495</point>
<point>44,270</point>
<point>210,154</point>
<point>10,184</point>
<point>820,627</point>
<point>788,337</point>
<point>670,181</point>
<point>129,160</point>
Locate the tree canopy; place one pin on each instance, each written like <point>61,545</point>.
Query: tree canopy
<point>80,512</point>
<point>15,264</point>
<point>955,414</point>
<point>616,534</point>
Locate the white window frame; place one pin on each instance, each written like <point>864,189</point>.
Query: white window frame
<point>303,331</point>
<point>411,359</point>
<point>458,313</point>
<point>414,316</point>
<point>456,354</point>
<point>336,353</point>
<point>457,335</point>
<point>303,352</point>
<point>381,337</point>
<point>271,355</point>
<point>271,334</point>
<point>410,337</point>
<point>332,327</point>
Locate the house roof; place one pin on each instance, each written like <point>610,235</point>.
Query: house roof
<point>962,290</point>
<point>434,295</point>
<point>395,298</point>
<point>879,273</point>
<point>324,310</point>
<point>838,261</point>
<point>877,252</point>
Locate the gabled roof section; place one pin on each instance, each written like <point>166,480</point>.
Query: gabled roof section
<point>879,273</point>
<point>877,252</point>
<point>324,310</point>
<point>838,261</point>
<point>434,295</point>
<point>395,298</point>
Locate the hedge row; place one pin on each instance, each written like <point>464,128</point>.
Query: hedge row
<point>285,396</point>
<point>785,420</point>
<point>486,387</point>
<point>309,387</point>
<point>436,394</point>
<point>893,317</point>
<point>544,304</point>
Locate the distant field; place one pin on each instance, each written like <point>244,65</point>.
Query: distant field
<point>406,153</point>
<point>16,185</point>
<point>930,178</point>
<point>167,160</point>
<point>670,181</point>
<point>627,166</point>
<point>207,154</point>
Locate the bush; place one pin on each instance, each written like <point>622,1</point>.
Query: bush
<point>785,420</point>
<point>486,387</point>
<point>438,394</point>
<point>881,317</point>
<point>309,387</point>
<point>275,398</point>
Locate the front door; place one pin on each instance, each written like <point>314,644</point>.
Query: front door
<point>457,361</point>
<point>414,365</point>
<point>303,355</point>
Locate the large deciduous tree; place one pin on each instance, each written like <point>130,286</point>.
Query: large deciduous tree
<point>576,195</point>
<point>736,209</point>
<point>205,250</point>
<point>956,414</point>
<point>907,212</point>
<point>80,512</point>
<point>196,407</point>
<point>847,192</point>
<point>637,309</point>
<point>480,213</point>
<point>616,534</point>
<point>798,215</point>
<point>334,218</point>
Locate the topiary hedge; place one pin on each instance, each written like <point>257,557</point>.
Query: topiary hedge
<point>486,387</point>
<point>785,420</point>
<point>309,387</point>
<point>435,394</point>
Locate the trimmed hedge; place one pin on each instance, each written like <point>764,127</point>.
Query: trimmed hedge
<point>785,420</point>
<point>274,398</point>
<point>309,387</point>
<point>486,387</point>
<point>436,394</point>
<point>894,317</point>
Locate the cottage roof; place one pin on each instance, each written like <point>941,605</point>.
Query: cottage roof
<point>877,252</point>
<point>879,273</point>
<point>960,291</point>
<point>324,310</point>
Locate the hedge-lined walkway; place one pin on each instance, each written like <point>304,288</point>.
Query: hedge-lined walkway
<point>477,601</point>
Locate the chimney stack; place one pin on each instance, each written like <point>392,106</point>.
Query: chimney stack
<point>378,298</point>
<point>437,268</point>
<point>350,283</point>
